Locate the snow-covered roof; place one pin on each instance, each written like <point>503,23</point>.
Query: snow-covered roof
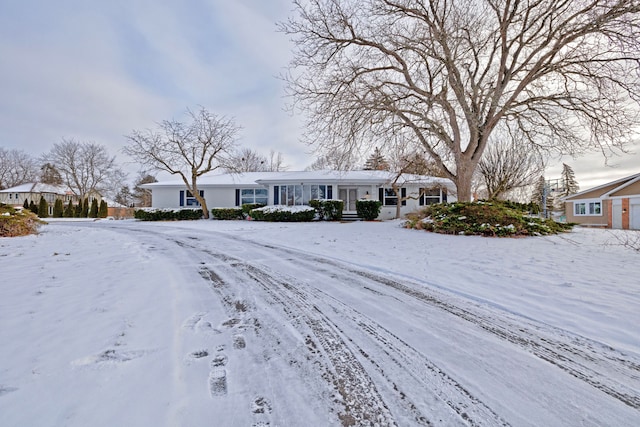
<point>297,177</point>
<point>37,187</point>
<point>226,179</point>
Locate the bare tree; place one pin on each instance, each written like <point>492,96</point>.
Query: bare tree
<point>16,167</point>
<point>142,196</point>
<point>275,163</point>
<point>85,167</point>
<point>337,159</point>
<point>246,160</point>
<point>509,164</point>
<point>561,72</point>
<point>124,196</point>
<point>50,175</point>
<point>188,150</point>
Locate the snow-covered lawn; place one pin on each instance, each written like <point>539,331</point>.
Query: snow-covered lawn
<point>125,323</point>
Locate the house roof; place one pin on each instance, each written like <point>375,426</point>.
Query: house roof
<point>297,177</point>
<point>223,180</point>
<point>605,190</point>
<point>37,187</point>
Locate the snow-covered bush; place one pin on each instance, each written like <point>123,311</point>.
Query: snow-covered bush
<point>248,207</point>
<point>494,219</point>
<point>328,210</point>
<point>227,213</point>
<point>368,209</point>
<point>152,214</point>
<point>15,223</point>
<point>281,213</point>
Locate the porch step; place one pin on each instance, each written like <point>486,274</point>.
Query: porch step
<point>348,216</point>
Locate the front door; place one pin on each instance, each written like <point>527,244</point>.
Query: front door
<point>349,197</point>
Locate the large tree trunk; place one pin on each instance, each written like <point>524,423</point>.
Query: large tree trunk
<point>200,199</point>
<point>463,181</point>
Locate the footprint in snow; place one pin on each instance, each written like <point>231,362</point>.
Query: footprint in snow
<point>6,389</point>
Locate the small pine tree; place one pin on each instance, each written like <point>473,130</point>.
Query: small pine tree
<point>93,212</point>
<point>69,211</point>
<point>570,185</point>
<point>25,205</point>
<point>58,209</point>
<point>376,162</point>
<point>104,209</point>
<point>43,208</point>
<point>32,207</point>
<point>538,193</point>
<point>85,208</point>
<point>78,210</point>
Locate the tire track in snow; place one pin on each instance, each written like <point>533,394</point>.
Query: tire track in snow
<point>362,404</point>
<point>601,366</point>
<point>351,375</point>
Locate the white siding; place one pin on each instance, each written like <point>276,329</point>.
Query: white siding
<point>221,197</point>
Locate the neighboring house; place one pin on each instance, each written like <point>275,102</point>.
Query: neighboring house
<point>612,205</point>
<point>297,188</point>
<point>15,196</point>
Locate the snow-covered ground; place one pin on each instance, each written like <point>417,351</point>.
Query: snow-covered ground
<point>241,323</point>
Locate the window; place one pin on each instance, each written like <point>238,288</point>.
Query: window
<point>430,196</point>
<point>252,196</point>
<point>388,196</point>
<point>292,195</point>
<point>593,208</point>
<point>188,199</point>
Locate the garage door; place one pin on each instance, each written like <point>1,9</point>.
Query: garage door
<point>634,216</point>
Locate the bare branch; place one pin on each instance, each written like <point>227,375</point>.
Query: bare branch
<point>563,74</point>
<point>188,150</point>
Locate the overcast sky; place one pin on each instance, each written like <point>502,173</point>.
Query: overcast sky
<point>96,70</point>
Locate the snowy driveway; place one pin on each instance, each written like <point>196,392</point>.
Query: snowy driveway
<point>127,323</point>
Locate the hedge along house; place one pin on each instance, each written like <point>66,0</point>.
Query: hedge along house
<point>612,205</point>
<point>297,188</point>
<point>16,196</point>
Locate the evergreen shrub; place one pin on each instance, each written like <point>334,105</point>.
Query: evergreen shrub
<point>328,210</point>
<point>248,207</point>
<point>17,223</point>
<point>58,209</point>
<point>227,213</point>
<point>167,214</point>
<point>103,211</point>
<point>491,219</point>
<point>69,210</point>
<point>93,212</point>
<point>284,213</point>
<point>43,208</point>
<point>85,209</point>
<point>368,210</point>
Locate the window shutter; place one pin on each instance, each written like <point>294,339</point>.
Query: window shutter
<point>237,197</point>
<point>330,192</point>
<point>422,191</point>
<point>403,194</point>
<point>381,195</point>
<point>181,198</point>
<point>276,195</point>
<point>202,193</point>
<point>443,192</point>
